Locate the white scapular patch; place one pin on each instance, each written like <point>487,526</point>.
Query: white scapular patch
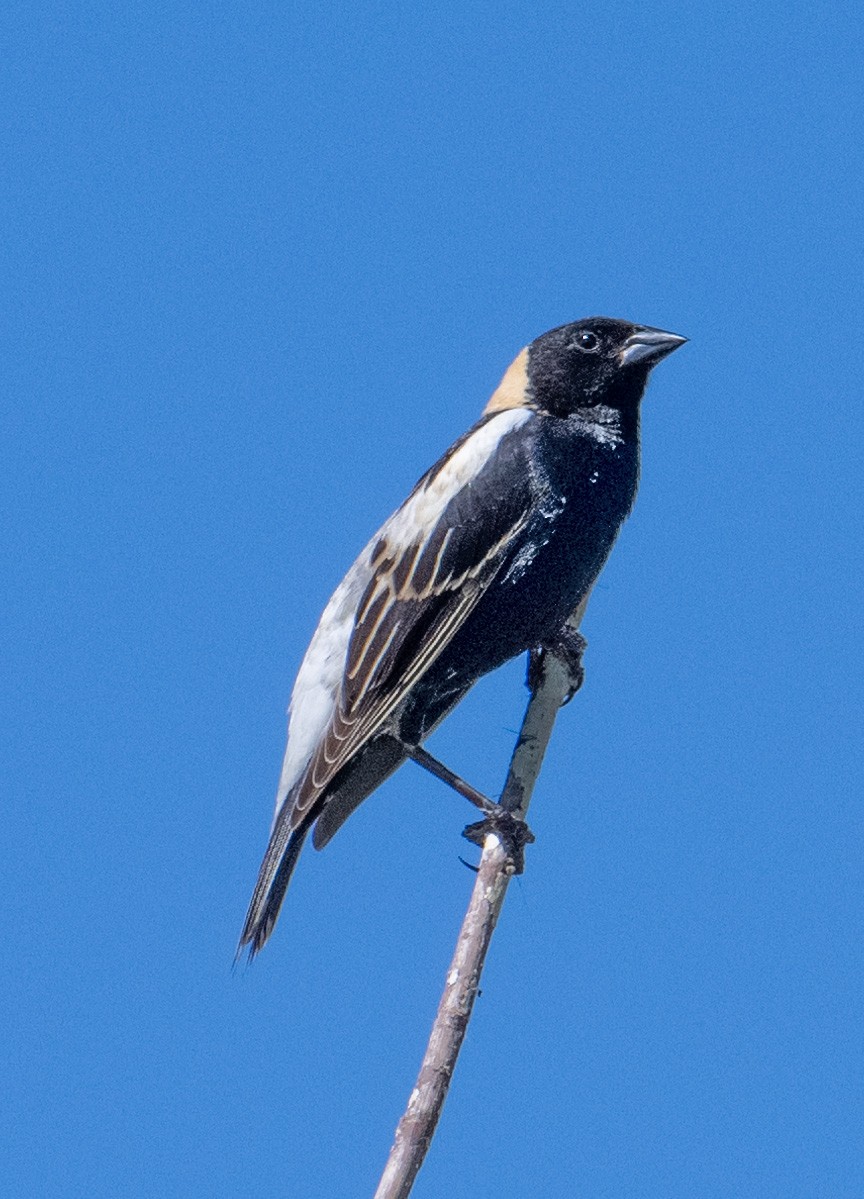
<point>321,672</point>
<point>601,423</point>
<point>414,521</point>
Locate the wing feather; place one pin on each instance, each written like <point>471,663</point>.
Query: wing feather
<point>425,582</point>
<point>398,608</point>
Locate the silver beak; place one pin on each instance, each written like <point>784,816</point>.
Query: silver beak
<point>648,346</point>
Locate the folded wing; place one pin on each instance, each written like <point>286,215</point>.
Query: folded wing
<point>427,569</point>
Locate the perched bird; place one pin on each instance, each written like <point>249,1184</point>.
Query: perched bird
<point>491,552</point>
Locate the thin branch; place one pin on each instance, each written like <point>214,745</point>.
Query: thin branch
<point>417,1126</point>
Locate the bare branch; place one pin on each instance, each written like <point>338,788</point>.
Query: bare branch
<point>417,1126</point>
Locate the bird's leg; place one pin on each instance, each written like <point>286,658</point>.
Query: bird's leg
<point>423,758</point>
<point>513,832</point>
<point>569,645</point>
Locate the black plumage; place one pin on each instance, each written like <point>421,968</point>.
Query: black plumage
<point>490,554</point>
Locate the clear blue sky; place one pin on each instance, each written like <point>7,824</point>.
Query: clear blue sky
<point>261,264</point>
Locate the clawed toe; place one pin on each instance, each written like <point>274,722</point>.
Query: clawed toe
<point>513,833</point>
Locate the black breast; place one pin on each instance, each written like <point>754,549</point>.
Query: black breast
<point>583,487</point>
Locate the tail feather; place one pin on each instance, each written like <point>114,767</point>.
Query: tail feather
<point>273,878</point>
<point>355,782</point>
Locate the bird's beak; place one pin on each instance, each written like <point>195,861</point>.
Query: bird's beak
<point>648,346</point>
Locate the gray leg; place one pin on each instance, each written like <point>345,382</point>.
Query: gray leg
<point>423,758</point>
<point>513,833</point>
<point>569,645</point>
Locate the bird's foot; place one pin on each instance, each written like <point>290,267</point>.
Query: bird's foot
<point>513,833</point>
<point>569,645</point>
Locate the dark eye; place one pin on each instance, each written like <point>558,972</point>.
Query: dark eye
<point>588,341</point>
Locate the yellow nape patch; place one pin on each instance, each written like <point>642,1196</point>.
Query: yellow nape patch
<point>512,391</point>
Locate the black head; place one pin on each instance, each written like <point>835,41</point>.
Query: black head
<point>595,361</point>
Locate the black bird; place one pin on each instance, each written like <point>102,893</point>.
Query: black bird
<point>492,551</point>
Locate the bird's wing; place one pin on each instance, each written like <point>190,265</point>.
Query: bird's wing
<point>430,565</point>
<point>400,605</point>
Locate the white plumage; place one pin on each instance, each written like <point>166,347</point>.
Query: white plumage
<point>322,670</point>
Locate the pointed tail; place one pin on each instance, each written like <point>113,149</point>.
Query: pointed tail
<point>273,878</point>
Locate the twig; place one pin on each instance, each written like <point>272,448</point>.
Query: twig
<point>417,1126</point>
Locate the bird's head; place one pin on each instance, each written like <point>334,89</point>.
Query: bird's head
<point>592,362</point>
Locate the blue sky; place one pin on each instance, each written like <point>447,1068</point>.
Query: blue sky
<point>261,265</point>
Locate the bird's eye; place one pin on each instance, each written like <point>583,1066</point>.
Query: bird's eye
<point>588,341</point>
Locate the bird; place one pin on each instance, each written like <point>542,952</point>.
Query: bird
<point>495,547</point>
